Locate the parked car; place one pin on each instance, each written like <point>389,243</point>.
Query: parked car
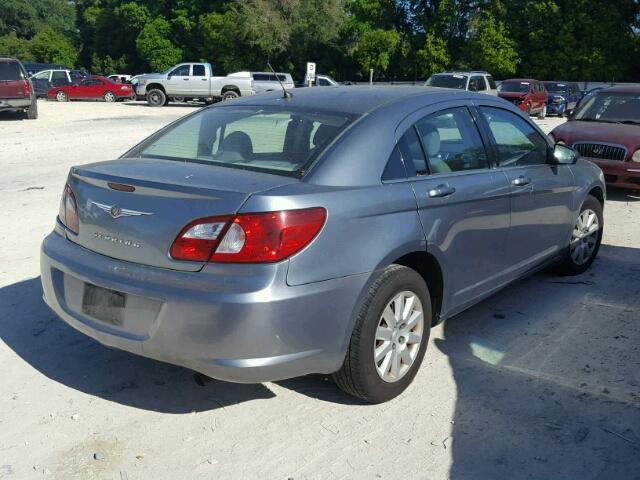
<point>120,78</point>
<point>33,68</point>
<point>92,88</point>
<point>606,130</point>
<point>189,81</point>
<point>262,239</point>
<point>473,81</point>
<point>563,97</point>
<point>16,90</point>
<point>45,80</point>
<point>319,80</point>
<point>529,95</point>
<point>267,82</point>
<point>586,95</point>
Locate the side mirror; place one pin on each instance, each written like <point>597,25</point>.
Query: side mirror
<point>563,155</point>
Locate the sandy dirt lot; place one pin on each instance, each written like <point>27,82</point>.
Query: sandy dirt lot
<point>541,381</point>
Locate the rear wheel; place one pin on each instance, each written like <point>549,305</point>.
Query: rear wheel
<point>32,112</point>
<point>543,113</point>
<point>389,338</point>
<point>230,95</point>
<point>585,239</point>
<point>109,97</point>
<point>156,97</point>
<point>61,96</point>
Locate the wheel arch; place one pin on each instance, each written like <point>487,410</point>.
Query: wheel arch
<point>232,88</point>
<point>598,193</point>
<point>153,86</point>
<point>429,269</point>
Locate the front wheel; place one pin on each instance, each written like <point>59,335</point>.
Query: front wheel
<point>585,239</point>
<point>109,97</point>
<point>156,97</point>
<point>389,338</point>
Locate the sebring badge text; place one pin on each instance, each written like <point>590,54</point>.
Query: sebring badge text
<point>120,241</point>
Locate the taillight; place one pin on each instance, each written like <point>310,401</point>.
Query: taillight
<point>26,87</point>
<point>249,238</point>
<point>68,213</point>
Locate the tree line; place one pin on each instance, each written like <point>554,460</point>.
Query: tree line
<point>399,39</point>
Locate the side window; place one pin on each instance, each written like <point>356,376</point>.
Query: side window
<point>413,154</point>
<point>181,71</point>
<point>395,168</point>
<point>260,77</point>
<point>518,143</point>
<point>476,84</point>
<point>58,75</point>
<point>42,75</point>
<point>198,71</point>
<point>452,142</point>
<point>323,82</point>
<point>492,82</point>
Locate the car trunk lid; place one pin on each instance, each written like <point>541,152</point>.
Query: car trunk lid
<point>133,209</point>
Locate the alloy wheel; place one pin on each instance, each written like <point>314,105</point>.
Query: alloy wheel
<point>584,238</point>
<point>398,336</point>
<point>109,97</point>
<point>61,97</point>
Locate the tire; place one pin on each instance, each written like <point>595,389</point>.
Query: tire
<point>109,97</point>
<point>543,113</point>
<point>178,99</point>
<point>61,96</point>
<point>32,112</point>
<point>360,374</point>
<point>230,95</point>
<point>583,248</point>
<point>156,98</point>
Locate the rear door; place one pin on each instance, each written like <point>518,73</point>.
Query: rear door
<point>199,83</point>
<point>541,194</point>
<point>12,80</point>
<point>59,78</point>
<point>463,203</point>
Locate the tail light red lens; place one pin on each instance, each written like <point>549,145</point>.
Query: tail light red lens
<point>68,213</point>
<point>249,238</point>
<point>26,88</point>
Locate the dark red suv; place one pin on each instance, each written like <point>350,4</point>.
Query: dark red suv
<point>528,95</point>
<point>606,130</point>
<point>16,90</point>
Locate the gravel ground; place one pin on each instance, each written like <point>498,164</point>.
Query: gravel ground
<point>538,382</point>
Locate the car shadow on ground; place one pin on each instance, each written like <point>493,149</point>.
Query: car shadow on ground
<point>547,377</point>
<point>140,103</point>
<point>12,116</point>
<point>620,195</point>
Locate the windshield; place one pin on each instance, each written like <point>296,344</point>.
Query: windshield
<point>514,87</point>
<point>611,107</point>
<point>10,71</point>
<point>448,81</point>
<point>273,140</point>
<point>553,87</point>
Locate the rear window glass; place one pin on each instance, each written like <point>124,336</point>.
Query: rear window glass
<point>263,139</point>
<point>448,81</point>
<point>10,71</point>
<point>514,87</point>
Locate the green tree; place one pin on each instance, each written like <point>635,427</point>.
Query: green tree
<point>154,46</point>
<point>52,47</point>
<point>375,49</point>
<point>491,47</point>
<point>433,57</point>
<point>16,47</point>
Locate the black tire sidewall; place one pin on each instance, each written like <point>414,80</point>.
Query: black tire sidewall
<point>568,266</point>
<point>397,279</point>
<point>229,95</point>
<point>161,97</point>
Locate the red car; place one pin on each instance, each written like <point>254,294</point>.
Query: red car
<point>92,88</point>
<point>606,130</point>
<point>528,95</point>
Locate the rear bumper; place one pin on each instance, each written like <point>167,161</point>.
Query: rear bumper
<point>556,108</point>
<point>620,174</point>
<point>14,103</point>
<point>231,322</point>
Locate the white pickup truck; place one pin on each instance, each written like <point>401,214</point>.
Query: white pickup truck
<point>188,81</point>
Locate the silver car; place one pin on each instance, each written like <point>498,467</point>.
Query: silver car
<point>322,232</point>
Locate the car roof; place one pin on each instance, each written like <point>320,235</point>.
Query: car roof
<point>530,80</point>
<point>353,99</point>
<point>622,89</point>
<point>8,59</point>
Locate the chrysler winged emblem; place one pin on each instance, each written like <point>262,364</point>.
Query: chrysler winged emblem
<point>117,212</point>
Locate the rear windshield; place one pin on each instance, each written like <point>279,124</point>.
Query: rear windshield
<point>448,81</point>
<point>272,140</point>
<point>556,87</point>
<point>10,71</point>
<point>611,108</point>
<point>514,87</point>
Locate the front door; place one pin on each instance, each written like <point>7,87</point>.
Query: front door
<point>463,203</point>
<point>179,80</point>
<point>541,193</point>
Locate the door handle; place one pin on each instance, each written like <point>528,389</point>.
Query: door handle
<point>203,79</point>
<point>441,191</point>
<point>185,79</point>
<point>521,181</point>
